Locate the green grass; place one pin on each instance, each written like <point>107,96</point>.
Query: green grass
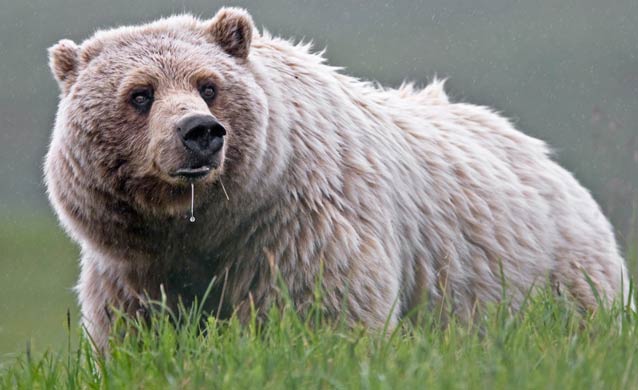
<point>38,268</point>
<point>546,345</point>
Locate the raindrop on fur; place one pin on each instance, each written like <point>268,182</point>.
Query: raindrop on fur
<point>192,218</point>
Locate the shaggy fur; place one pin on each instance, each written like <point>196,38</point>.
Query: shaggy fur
<point>393,196</point>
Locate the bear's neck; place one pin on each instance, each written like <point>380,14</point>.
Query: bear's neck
<point>318,112</point>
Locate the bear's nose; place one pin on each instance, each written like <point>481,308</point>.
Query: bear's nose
<point>201,134</point>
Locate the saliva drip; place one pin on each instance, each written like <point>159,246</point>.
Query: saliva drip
<point>192,218</point>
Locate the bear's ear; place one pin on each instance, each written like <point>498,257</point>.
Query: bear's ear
<point>232,29</point>
<point>63,60</point>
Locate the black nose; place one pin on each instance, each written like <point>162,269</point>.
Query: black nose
<point>201,134</point>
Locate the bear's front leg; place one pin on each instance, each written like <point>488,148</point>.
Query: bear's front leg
<point>102,288</point>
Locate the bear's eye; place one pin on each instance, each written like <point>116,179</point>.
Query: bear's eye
<point>207,91</point>
<point>142,98</point>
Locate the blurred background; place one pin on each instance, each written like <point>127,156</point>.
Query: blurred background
<point>566,73</point>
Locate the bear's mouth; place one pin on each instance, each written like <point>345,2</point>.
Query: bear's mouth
<point>192,173</point>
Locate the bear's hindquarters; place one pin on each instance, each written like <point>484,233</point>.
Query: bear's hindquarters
<point>588,265</point>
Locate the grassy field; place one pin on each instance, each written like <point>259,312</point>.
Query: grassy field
<point>38,268</point>
<point>547,345</point>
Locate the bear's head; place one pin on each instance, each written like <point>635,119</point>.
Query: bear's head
<point>145,111</point>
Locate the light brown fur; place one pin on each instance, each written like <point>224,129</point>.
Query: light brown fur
<point>393,195</point>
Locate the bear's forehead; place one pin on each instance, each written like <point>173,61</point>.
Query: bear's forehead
<point>159,57</point>
<point>162,42</point>
<point>159,48</point>
<point>153,45</point>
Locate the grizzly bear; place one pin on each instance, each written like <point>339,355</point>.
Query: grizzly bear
<point>294,173</point>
